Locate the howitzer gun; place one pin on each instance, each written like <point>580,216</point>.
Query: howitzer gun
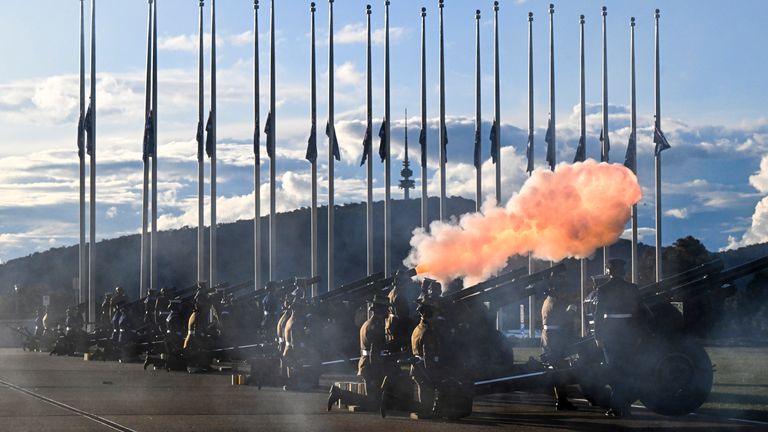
<point>504,289</point>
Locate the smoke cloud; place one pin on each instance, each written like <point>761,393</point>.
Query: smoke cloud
<point>556,215</point>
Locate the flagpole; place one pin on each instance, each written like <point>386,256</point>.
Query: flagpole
<point>153,245</point>
<point>657,158</point>
<point>552,145</point>
<point>633,134</point>
<point>92,215</point>
<point>478,119</point>
<point>145,186</point>
<point>330,147</point>
<point>442,132</point>
<point>531,317</point>
<point>257,154</point>
<point>423,134</point>
<point>273,160</point>
<point>200,155</point>
<point>313,215</point>
<point>388,152</point>
<point>604,156</point>
<point>81,156</point>
<point>369,149</point>
<point>212,138</point>
<point>580,158</point>
<point>497,101</point>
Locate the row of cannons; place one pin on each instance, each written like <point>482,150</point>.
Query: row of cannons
<point>417,348</point>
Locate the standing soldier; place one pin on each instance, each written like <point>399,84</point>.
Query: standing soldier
<point>426,344</point>
<point>117,299</point>
<point>161,309</point>
<point>372,366</point>
<point>281,323</point>
<point>299,350</point>
<point>149,306</point>
<point>617,332</point>
<point>558,334</point>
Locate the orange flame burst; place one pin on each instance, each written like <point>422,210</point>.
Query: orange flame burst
<point>556,215</point>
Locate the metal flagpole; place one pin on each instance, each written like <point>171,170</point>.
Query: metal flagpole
<point>369,149</point>
<point>388,152</point>
<point>153,245</point>
<point>81,155</point>
<point>496,102</point>
<point>657,158</point>
<point>200,154</point>
<point>531,317</point>
<point>478,119</point>
<point>145,247</point>
<point>212,139</point>
<point>633,135</point>
<point>580,158</point>
<point>313,215</point>
<point>271,144</point>
<point>552,156</point>
<point>423,134</point>
<point>92,215</point>
<point>604,157</point>
<point>256,154</point>
<point>331,137</point>
<point>442,131</point>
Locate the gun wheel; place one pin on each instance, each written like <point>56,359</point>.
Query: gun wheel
<point>679,379</point>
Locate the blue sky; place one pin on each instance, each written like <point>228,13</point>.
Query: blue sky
<point>713,106</point>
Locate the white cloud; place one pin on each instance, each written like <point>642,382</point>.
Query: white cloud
<point>758,230</point>
<point>358,33</point>
<point>677,213</point>
<point>111,212</point>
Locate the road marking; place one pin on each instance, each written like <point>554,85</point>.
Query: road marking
<point>89,416</point>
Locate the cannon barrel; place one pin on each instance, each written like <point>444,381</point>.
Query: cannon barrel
<point>507,291</point>
<point>342,290</point>
<point>360,293</point>
<point>490,283</point>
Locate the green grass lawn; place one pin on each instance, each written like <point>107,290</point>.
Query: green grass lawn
<point>741,381</point>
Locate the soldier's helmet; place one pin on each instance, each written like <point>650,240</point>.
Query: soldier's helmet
<point>163,291</point>
<point>616,267</point>
<point>427,306</point>
<point>119,290</point>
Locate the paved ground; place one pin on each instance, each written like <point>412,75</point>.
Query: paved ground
<point>42,393</point>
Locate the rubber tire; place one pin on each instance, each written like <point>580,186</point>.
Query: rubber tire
<point>664,391</point>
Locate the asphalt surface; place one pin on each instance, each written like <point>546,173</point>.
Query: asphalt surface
<point>43,393</point>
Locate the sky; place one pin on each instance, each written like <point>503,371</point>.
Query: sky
<point>715,177</point>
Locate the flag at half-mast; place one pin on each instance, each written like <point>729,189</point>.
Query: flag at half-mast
<point>88,129</point>
<point>423,143</point>
<point>209,144</point>
<point>367,144</point>
<point>444,144</point>
<point>549,139</point>
<point>630,159</point>
<point>311,155</point>
<point>200,137</point>
<point>660,140</point>
<point>330,132</point>
<point>581,150</point>
<point>383,143</point>
<point>494,148</point>
<point>268,132</point>
<point>529,154</point>
<point>149,141</point>
<point>605,148</point>
<point>81,136</point>
<point>478,148</point>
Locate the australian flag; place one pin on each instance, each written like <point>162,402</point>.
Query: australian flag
<point>630,160</point>
<point>210,145</point>
<point>383,143</point>
<point>529,154</point>
<point>268,132</point>
<point>367,144</point>
<point>444,144</point>
<point>330,131</point>
<point>494,146</point>
<point>581,150</point>
<point>549,138</point>
<point>88,129</point>
<point>200,140</point>
<point>605,148</point>
<point>149,139</point>
<point>423,142</point>
<point>80,136</point>
<point>660,140</point>
<point>311,155</point>
<point>478,149</point>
